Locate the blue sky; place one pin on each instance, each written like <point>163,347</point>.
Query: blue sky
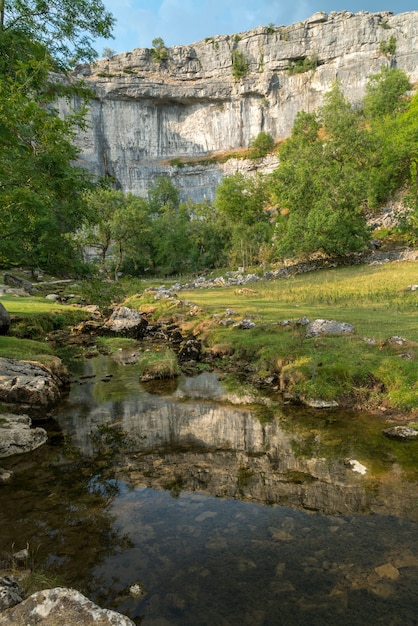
<point>186,21</point>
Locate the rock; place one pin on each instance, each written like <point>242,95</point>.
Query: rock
<point>4,320</point>
<point>190,350</point>
<point>11,593</point>
<point>5,475</point>
<point>327,327</point>
<point>387,571</point>
<point>196,108</point>
<point>356,466</point>
<point>17,436</point>
<point>245,324</point>
<point>33,384</point>
<point>321,404</point>
<point>20,283</point>
<point>61,606</point>
<point>126,322</point>
<point>401,433</point>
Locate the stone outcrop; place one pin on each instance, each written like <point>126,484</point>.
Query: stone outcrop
<point>125,322</point>
<point>32,385</point>
<point>191,107</point>
<point>17,436</point>
<point>4,320</point>
<point>328,327</point>
<point>61,606</point>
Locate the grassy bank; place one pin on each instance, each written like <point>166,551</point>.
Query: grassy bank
<point>367,369</point>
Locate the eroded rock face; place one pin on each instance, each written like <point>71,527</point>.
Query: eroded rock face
<point>66,607</point>
<point>17,436</point>
<point>191,106</point>
<point>31,384</point>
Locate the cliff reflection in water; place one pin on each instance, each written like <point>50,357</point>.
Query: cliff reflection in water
<point>180,443</point>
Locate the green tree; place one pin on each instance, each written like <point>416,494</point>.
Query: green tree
<point>117,225</point>
<point>261,145</point>
<point>385,104</point>
<point>208,237</point>
<point>240,64</point>
<point>385,93</point>
<point>40,185</point>
<point>240,203</point>
<point>65,28</point>
<point>321,183</point>
<point>163,193</point>
<point>159,51</point>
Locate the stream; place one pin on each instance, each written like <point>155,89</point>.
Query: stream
<point>175,506</point>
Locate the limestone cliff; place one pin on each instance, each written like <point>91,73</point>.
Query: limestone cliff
<point>191,106</point>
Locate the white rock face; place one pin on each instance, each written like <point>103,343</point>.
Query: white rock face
<point>191,106</point>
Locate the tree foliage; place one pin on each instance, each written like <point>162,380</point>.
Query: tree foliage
<point>320,185</point>
<point>41,188</point>
<point>116,223</point>
<point>65,28</point>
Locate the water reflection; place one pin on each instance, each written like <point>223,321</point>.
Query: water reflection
<point>168,492</point>
<point>180,443</point>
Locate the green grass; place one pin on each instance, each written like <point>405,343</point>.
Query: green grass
<point>355,372</point>
<point>374,299</point>
<point>158,365</point>
<point>14,348</point>
<point>34,317</point>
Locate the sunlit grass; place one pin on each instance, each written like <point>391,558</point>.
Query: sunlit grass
<point>377,301</point>
<point>13,348</point>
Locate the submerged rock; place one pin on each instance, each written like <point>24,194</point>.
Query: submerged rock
<point>61,606</point>
<point>17,436</point>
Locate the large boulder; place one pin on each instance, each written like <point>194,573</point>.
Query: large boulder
<point>328,327</point>
<point>17,436</point>
<point>19,283</point>
<point>125,322</point>
<point>31,384</point>
<point>4,320</point>
<point>66,607</point>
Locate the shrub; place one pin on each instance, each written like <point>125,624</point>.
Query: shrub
<point>159,51</point>
<point>388,48</point>
<point>240,65</point>
<point>299,66</point>
<point>158,365</point>
<point>261,145</point>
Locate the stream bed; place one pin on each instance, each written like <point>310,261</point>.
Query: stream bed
<point>175,506</point>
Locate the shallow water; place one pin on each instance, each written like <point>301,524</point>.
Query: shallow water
<point>219,514</point>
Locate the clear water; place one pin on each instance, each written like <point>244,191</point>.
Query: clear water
<point>221,515</point>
